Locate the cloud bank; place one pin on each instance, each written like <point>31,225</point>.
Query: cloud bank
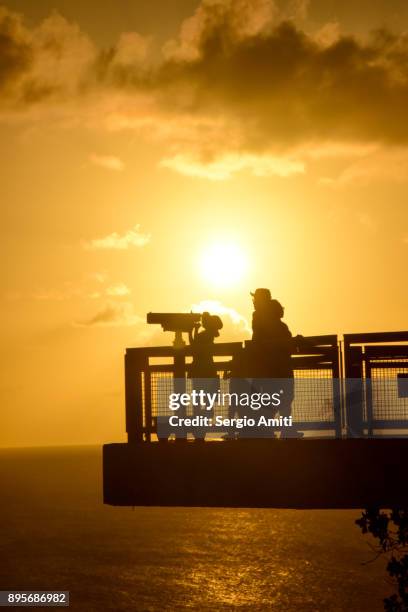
<point>242,86</point>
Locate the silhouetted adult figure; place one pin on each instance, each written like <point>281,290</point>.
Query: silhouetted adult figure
<point>271,352</point>
<point>203,369</point>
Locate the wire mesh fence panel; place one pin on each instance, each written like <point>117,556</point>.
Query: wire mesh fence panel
<point>386,401</point>
<point>162,386</point>
<point>314,396</point>
<point>313,402</point>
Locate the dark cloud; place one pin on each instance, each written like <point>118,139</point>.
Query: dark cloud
<point>41,65</point>
<point>242,63</point>
<point>284,86</point>
<point>15,53</point>
<point>277,84</point>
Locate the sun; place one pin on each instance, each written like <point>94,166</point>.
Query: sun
<point>223,264</point>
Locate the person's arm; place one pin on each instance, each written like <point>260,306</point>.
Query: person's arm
<point>283,331</point>
<point>299,342</point>
<point>287,337</point>
<point>287,331</point>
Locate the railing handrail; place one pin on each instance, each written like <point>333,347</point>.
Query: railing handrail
<point>319,344</point>
<point>370,337</point>
<point>218,348</point>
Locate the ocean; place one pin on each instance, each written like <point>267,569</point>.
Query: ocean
<point>56,534</point>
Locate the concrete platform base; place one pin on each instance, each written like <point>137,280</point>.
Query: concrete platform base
<point>353,473</point>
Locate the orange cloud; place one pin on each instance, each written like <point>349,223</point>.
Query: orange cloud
<point>118,290</point>
<point>110,162</point>
<point>115,241</point>
<point>113,315</point>
<point>390,164</point>
<point>224,167</point>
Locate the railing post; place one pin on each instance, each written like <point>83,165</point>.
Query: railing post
<point>180,379</point>
<point>133,398</point>
<point>369,399</point>
<point>353,361</point>
<point>336,389</point>
<point>147,401</point>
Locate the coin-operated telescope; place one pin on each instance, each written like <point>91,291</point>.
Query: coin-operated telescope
<point>178,322</point>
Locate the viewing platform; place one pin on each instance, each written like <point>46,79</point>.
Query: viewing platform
<point>354,421</point>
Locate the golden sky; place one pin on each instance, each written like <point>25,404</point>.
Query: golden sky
<point>134,136</point>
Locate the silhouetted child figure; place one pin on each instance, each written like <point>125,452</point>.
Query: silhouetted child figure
<point>203,369</point>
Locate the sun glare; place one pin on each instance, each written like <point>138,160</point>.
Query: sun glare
<point>223,265</point>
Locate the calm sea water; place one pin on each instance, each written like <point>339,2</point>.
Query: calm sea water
<point>57,534</point>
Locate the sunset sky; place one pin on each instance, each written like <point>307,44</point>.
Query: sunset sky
<point>141,139</point>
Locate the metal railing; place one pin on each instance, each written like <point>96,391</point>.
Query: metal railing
<point>152,373</point>
<point>374,365</point>
<point>362,389</point>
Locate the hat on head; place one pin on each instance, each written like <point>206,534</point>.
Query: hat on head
<point>262,294</point>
